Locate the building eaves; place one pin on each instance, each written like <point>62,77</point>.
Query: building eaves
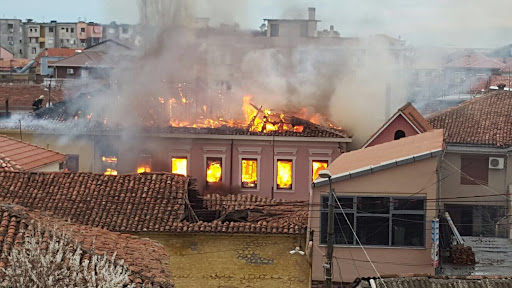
<point>379,167</point>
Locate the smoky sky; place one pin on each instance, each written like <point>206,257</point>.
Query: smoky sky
<point>448,23</point>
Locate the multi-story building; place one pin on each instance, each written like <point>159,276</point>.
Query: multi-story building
<point>49,35</point>
<point>32,39</point>
<point>67,35</point>
<point>94,34</point>
<point>125,33</point>
<point>11,36</point>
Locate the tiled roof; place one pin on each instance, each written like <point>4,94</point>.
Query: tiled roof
<point>87,58</point>
<point>57,52</point>
<point>486,120</point>
<point>428,282</point>
<point>476,60</point>
<point>21,96</point>
<point>7,65</point>
<point>146,259</point>
<point>153,202</point>
<point>18,155</point>
<point>382,153</point>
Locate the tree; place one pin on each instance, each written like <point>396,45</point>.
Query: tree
<point>50,258</point>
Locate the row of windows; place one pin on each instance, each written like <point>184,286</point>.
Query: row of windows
<point>381,221</point>
<point>249,169</point>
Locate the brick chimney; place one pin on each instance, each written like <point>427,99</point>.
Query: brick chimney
<point>311,13</point>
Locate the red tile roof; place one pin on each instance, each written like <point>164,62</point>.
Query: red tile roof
<point>25,156</point>
<point>153,202</point>
<point>146,259</point>
<point>379,154</point>
<point>486,120</point>
<point>21,96</point>
<point>7,65</point>
<point>57,52</point>
<point>475,60</point>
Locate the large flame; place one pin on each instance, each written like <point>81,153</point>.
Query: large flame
<point>284,174</point>
<point>144,169</point>
<point>249,173</point>
<point>179,166</point>
<point>214,172</point>
<point>317,167</point>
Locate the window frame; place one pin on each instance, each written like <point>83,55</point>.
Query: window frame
<point>258,161</point>
<point>179,156</point>
<point>314,159</point>
<point>285,158</point>
<point>354,211</point>
<point>463,180</point>
<point>223,166</point>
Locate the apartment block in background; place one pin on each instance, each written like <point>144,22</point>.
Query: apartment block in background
<point>32,39</point>
<point>11,36</point>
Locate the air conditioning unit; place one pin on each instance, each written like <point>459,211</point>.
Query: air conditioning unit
<point>11,30</point>
<point>71,71</point>
<point>11,42</point>
<point>496,163</point>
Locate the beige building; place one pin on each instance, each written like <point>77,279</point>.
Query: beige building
<point>477,167</point>
<point>388,195</point>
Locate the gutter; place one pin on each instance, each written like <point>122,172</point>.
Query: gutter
<point>382,166</point>
<point>477,149</point>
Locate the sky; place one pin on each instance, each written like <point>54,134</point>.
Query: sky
<point>447,23</point>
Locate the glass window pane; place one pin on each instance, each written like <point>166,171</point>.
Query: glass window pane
<point>375,205</point>
<point>373,230</point>
<point>318,166</point>
<point>346,203</point>
<point>342,232</point>
<point>213,169</point>
<point>250,173</point>
<point>284,174</point>
<point>408,230</point>
<point>408,204</point>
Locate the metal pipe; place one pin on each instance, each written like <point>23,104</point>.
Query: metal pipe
<point>330,238</point>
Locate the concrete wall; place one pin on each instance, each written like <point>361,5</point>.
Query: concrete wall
<point>293,28</point>
<point>403,181</point>
<point>388,134</point>
<point>14,35</point>
<point>232,261</point>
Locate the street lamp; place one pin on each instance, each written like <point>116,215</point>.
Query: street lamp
<point>325,174</point>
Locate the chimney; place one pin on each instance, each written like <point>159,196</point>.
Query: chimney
<point>311,13</point>
<point>331,28</point>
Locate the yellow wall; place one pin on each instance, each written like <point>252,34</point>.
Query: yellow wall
<point>229,261</point>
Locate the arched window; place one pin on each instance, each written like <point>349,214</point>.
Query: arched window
<point>399,134</point>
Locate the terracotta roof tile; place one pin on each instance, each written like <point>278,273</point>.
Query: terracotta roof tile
<point>486,120</point>
<point>152,202</point>
<point>21,96</point>
<point>147,259</point>
<point>475,60</point>
<point>439,282</point>
<point>375,155</point>
<point>18,155</point>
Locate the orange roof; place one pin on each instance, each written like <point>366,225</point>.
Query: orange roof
<point>476,60</point>
<point>387,153</point>
<point>13,63</point>
<point>19,156</point>
<point>411,114</point>
<point>57,52</point>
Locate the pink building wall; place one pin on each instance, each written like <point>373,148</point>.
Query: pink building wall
<point>94,31</point>
<point>388,134</point>
<point>5,55</point>
<point>196,150</point>
<point>402,181</point>
<point>81,35</point>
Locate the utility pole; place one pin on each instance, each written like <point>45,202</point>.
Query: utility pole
<point>330,239</point>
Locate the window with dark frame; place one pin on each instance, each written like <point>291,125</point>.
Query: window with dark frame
<point>378,221</point>
<point>50,29</point>
<point>72,162</point>
<point>475,170</point>
<point>274,30</point>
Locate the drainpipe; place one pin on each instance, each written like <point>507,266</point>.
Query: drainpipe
<point>231,168</point>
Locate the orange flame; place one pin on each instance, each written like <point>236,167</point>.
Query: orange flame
<point>317,167</point>
<point>110,171</point>
<point>112,159</point>
<point>249,173</point>
<point>284,174</point>
<point>179,166</point>
<point>144,169</point>
<point>214,172</point>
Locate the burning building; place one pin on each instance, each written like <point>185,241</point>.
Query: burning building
<point>263,152</point>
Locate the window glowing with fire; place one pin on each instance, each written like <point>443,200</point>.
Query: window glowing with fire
<point>109,164</point>
<point>250,173</point>
<point>144,164</point>
<point>213,170</point>
<point>318,165</point>
<point>179,165</point>
<point>284,175</point>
